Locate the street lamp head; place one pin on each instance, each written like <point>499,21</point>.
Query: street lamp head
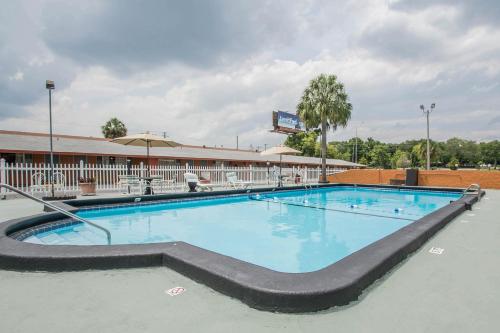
<point>433,105</point>
<point>422,107</point>
<point>49,84</point>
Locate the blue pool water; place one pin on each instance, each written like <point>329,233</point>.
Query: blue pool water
<point>294,231</point>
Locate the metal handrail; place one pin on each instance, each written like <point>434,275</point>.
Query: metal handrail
<point>60,210</point>
<point>475,189</point>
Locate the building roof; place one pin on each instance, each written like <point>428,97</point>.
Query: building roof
<point>78,145</point>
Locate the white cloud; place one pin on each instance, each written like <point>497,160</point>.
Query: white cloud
<point>18,76</point>
<point>374,49</point>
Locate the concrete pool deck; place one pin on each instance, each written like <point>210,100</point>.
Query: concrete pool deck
<point>455,291</point>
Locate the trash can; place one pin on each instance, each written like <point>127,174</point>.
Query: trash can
<point>192,186</point>
<point>411,177</point>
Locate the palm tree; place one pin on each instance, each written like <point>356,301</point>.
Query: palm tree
<point>114,128</point>
<point>324,102</point>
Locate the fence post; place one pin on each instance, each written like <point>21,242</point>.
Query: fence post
<point>141,169</point>
<point>2,174</point>
<point>305,174</point>
<point>251,173</point>
<point>82,170</point>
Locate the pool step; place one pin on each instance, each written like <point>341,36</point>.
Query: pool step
<point>51,239</point>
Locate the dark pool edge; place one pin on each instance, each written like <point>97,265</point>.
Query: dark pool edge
<point>337,284</point>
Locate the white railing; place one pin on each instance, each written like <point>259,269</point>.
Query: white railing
<point>25,176</point>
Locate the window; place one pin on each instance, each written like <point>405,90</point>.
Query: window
<point>79,158</point>
<point>164,162</point>
<point>9,158</point>
<point>121,160</point>
<point>28,158</point>
<point>47,159</point>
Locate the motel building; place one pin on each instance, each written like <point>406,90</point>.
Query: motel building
<point>33,148</point>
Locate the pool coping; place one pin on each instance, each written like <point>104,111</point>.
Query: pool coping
<point>259,287</point>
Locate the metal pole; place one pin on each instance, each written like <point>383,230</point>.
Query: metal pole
<point>267,172</point>
<point>280,184</point>
<point>356,156</point>
<point>51,146</point>
<point>237,143</point>
<point>428,144</point>
<point>147,153</point>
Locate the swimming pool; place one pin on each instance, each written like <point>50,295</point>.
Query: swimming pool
<point>292,231</point>
<point>292,250</point>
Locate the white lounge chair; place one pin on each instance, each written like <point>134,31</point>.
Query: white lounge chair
<point>193,178</point>
<point>160,185</point>
<point>130,184</point>
<point>234,182</point>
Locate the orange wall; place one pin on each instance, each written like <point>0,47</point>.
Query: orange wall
<point>446,178</point>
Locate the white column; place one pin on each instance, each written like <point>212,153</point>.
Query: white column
<point>82,170</point>
<point>3,175</point>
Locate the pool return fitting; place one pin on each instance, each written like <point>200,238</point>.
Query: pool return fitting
<point>60,210</point>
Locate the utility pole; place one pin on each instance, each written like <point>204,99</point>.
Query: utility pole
<point>356,155</point>
<point>237,143</point>
<point>422,107</point>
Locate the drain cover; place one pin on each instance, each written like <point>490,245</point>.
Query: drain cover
<point>175,291</point>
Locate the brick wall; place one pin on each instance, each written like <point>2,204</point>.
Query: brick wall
<point>446,178</point>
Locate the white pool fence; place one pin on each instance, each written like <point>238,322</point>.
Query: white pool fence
<point>28,176</point>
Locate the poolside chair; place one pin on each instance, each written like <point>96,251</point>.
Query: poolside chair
<point>235,183</point>
<point>38,183</point>
<point>160,185</point>
<point>59,182</point>
<point>193,178</point>
<point>130,184</point>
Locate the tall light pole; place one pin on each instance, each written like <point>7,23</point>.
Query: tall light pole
<point>50,86</point>
<point>356,155</point>
<point>422,107</point>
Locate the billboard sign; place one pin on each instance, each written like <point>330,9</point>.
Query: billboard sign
<point>287,122</point>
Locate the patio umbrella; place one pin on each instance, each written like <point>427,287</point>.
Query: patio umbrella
<point>146,140</point>
<point>280,150</point>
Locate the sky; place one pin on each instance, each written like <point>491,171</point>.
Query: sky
<point>205,72</point>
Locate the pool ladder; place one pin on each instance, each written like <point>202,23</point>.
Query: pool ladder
<point>473,189</point>
<point>60,210</point>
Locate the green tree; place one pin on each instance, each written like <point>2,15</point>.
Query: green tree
<point>400,159</point>
<point>453,163</point>
<point>303,141</point>
<point>114,128</point>
<point>490,152</point>
<point>324,103</point>
<point>379,156</point>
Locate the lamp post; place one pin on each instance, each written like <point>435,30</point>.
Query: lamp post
<point>49,84</point>
<point>422,107</point>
